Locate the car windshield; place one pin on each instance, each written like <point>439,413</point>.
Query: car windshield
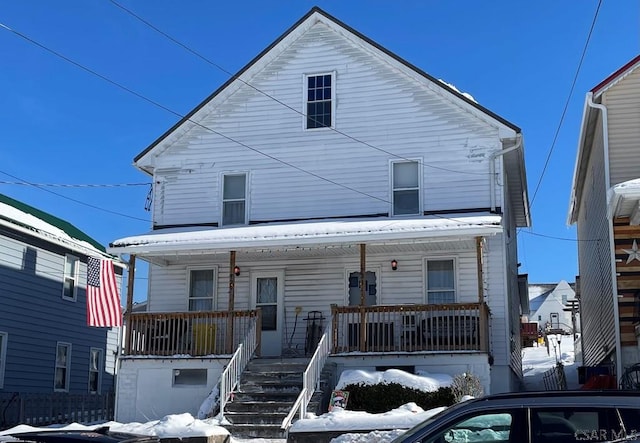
<point>417,428</point>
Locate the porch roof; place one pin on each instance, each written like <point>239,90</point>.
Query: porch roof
<point>320,233</point>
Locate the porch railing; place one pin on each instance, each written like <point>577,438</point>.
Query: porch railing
<point>410,328</point>
<point>230,377</point>
<point>188,333</point>
<point>311,377</point>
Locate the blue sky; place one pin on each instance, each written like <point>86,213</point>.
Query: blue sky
<point>64,125</point>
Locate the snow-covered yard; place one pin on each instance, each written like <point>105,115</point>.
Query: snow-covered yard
<point>536,361</point>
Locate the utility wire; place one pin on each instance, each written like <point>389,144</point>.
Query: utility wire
<point>70,185</point>
<point>236,77</point>
<point>181,116</point>
<point>566,105</point>
<point>73,199</point>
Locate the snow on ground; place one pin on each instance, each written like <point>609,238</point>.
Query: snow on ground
<point>536,361</point>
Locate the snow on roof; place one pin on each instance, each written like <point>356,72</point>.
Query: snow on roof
<point>466,94</point>
<point>306,233</point>
<point>23,217</point>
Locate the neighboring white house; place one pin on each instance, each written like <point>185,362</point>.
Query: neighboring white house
<point>550,306</point>
<point>605,207</point>
<point>324,160</point>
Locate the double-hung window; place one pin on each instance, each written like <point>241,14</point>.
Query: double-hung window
<point>70,284</point>
<point>441,278</point>
<point>405,179</point>
<point>234,199</point>
<point>201,289</point>
<point>319,88</point>
<point>62,368</point>
<point>95,369</point>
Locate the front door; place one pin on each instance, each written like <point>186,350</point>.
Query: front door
<point>371,291</point>
<point>267,293</point>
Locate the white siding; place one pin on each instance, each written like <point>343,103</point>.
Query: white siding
<point>624,128</point>
<point>376,104</point>
<point>594,258</point>
<point>316,283</point>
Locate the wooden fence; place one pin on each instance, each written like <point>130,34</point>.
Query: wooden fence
<point>54,408</point>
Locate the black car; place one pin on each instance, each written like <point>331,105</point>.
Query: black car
<point>535,417</point>
<point>99,435</point>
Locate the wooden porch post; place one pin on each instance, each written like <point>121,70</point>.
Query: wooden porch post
<point>232,296</point>
<point>479,264</point>
<point>363,270</point>
<point>484,313</point>
<point>130,279</point>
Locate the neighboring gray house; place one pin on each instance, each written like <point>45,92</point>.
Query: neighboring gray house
<point>550,306</point>
<point>45,344</point>
<point>331,180</point>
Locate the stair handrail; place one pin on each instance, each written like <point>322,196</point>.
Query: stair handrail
<point>310,377</point>
<point>230,377</point>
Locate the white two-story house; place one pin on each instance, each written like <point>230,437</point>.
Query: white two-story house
<point>328,183</point>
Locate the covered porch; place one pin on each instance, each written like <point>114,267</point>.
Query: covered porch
<point>387,314</point>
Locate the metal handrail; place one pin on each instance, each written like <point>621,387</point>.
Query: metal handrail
<point>311,377</point>
<point>230,377</point>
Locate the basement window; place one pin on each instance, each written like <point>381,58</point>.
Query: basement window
<point>189,377</point>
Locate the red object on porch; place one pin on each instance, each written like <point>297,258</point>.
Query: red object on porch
<point>601,381</point>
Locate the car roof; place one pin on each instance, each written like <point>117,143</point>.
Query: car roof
<point>549,398</point>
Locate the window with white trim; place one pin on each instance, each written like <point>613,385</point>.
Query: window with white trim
<point>63,367</point>
<point>4,337</point>
<point>319,93</point>
<point>234,199</point>
<point>201,290</point>
<point>441,278</point>
<point>405,184</point>
<point>70,283</point>
<point>95,370</point>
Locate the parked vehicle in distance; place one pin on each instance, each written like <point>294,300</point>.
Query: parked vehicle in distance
<point>99,435</point>
<point>535,417</point>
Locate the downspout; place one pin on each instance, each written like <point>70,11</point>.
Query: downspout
<point>612,246</point>
<point>492,168</point>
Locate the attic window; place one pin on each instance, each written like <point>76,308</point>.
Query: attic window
<point>319,101</point>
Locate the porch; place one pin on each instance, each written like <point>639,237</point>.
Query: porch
<point>363,329</point>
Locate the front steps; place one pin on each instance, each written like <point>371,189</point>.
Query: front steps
<point>268,389</point>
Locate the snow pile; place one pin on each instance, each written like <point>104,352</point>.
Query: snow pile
<point>423,381</point>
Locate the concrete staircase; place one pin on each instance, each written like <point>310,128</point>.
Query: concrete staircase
<point>268,389</point>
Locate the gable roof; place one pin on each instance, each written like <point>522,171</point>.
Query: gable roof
<point>56,230</point>
<point>589,119</point>
<point>318,14</point>
<point>616,76</point>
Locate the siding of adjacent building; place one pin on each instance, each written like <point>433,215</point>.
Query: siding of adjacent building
<point>594,258</point>
<point>36,317</point>
<point>622,101</point>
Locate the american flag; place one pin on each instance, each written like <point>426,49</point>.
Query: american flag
<point>103,298</point>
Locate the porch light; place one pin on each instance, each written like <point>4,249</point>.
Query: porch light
<point>236,270</point>
<point>394,264</point>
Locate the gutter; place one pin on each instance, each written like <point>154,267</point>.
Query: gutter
<point>614,280</point>
<point>492,168</point>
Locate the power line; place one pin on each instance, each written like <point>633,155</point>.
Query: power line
<point>566,105</point>
<point>575,240</point>
<point>73,199</point>
<point>71,185</point>
<point>166,108</point>
<point>161,106</point>
<point>236,77</point>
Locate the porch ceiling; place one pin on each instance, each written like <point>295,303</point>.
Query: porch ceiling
<point>624,199</point>
<point>323,238</point>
